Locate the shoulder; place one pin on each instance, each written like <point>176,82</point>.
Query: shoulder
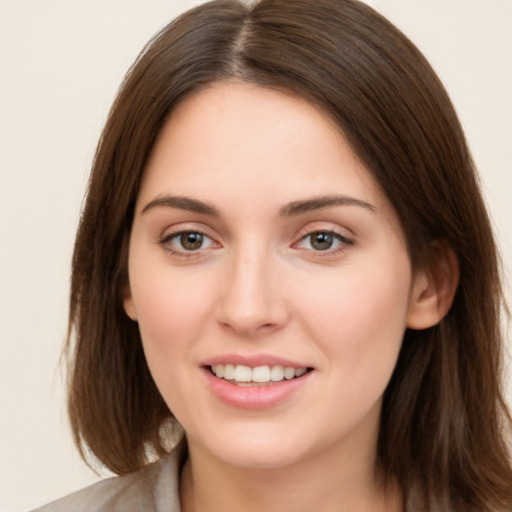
<point>152,489</point>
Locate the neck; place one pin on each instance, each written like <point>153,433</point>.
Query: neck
<point>329,481</point>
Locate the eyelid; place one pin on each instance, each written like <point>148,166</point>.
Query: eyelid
<point>175,236</point>
<point>325,227</point>
<point>345,242</point>
<point>186,227</point>
<point>171,233</point>
<point>341,238</point>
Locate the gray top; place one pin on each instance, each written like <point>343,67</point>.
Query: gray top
<point>154,488</point>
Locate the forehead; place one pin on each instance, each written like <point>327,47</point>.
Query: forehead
<point>234,139</point>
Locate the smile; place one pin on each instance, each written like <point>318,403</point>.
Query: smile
<point>245,375</point>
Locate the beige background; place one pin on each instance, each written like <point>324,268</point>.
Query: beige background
<point>60,65</point>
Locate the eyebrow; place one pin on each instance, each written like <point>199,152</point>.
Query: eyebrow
<point>183,203</point>
<point>289,210</point>
<point>317,203</point>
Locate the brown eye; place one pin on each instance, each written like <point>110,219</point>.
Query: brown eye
<point>188,244</point>
<point>324,241</point>
<point>191,241</point>
<point>321,241</point>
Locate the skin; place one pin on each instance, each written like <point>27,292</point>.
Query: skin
<point>258,286</point>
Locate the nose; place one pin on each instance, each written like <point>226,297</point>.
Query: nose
<point>252,300</point>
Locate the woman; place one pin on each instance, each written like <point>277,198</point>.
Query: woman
<point>284,250</point>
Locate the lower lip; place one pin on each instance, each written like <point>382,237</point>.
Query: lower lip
<point>254,397</point>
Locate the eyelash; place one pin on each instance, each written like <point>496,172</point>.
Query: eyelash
<point>166,241</point>
<point>343,243</point>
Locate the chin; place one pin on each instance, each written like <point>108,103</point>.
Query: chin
<point>261,459</point>
<point>258,452</point>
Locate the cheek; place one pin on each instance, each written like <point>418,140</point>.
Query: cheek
<point>171,315</point>
<point>171,305</point>
<point>359,316</point>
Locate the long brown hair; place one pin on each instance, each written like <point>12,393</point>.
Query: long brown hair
<point>443,422</point>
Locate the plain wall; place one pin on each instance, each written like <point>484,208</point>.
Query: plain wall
<point>61,63</point>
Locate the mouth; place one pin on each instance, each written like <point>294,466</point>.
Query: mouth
<point>256,382</point>
<point>265,375</point>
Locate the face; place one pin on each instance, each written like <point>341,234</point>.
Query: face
<point>269,278</point>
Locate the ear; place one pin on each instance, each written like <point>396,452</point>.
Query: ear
<point>128,304</point>
<point>433,289</point>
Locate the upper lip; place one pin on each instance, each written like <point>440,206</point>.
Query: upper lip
<point>253,360</point>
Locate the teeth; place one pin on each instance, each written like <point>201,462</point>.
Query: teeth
<point>218,369</point>
<point>260,374</point>
<point>243,373</point>
<point>229,371</point>
<point>289,373</point>
<point>277,373</point>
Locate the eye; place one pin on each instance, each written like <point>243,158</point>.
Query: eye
<point>187,241</point>
<point>323,241</point>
